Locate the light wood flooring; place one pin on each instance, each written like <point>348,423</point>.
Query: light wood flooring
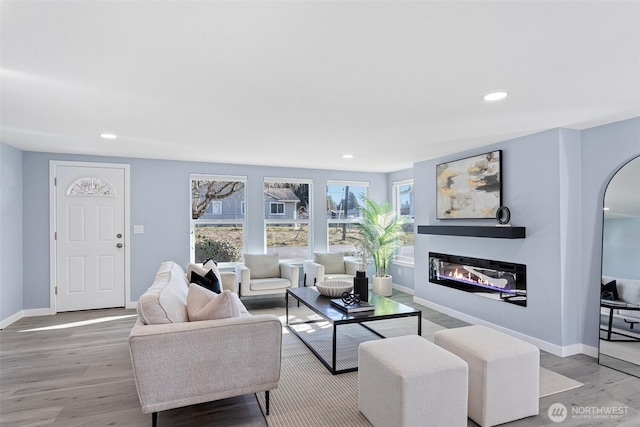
<point>56,371</point>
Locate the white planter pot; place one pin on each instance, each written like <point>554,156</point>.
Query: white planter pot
<point>382,285</point>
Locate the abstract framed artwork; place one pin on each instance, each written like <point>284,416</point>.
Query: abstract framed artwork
<point>469,188</point>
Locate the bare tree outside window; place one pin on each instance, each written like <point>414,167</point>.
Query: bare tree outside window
<point>203,192</point>
<point>343,211</point>
<point>217,218</point>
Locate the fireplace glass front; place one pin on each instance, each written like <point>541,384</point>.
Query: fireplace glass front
<point>497,280</point>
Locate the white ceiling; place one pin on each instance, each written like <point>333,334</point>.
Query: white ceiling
<point>301,83</point>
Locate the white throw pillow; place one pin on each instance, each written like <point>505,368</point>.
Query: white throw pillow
<point>203,304</point>
<point>333,263</point>
<point>262,266</point>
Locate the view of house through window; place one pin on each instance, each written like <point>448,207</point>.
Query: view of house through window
<point>344,200</point>
<point>287,217</point>
<point>403,205</point>
<point>217,217</point>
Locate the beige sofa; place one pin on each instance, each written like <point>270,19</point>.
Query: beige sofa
<point>178,363</point>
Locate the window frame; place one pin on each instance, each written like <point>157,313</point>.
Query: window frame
<point>346,220</point>
<point>397,207</point>
<point>216,207</point>
<point>308,222</point>
<point>277,204</point>
<point>193,223</point>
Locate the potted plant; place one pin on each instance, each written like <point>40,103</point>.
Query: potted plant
<point>381,234</point>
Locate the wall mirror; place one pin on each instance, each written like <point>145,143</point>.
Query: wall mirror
<point>620,303</point>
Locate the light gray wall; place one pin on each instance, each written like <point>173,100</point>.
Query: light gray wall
<point>604,150</point>
<point>554,184</point>
<point>621,248</point>
<point>160,202</point>
<point>531,173</point>
<point>11,271</point>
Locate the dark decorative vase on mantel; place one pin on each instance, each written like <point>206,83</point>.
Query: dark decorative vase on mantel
<point>361,285</point>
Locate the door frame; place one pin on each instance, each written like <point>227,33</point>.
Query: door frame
<point>53,167</point>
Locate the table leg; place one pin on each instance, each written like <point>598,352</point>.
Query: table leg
<point>335,335</point>
<point>610,324</point>
<point>286,305</point>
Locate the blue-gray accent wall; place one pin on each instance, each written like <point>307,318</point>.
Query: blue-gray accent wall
<point>160,201</point>
<point>11,194</point>
<point>554,183</point>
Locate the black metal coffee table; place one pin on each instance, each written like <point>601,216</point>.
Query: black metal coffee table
<point>613,305</point>
<point>385,308</point>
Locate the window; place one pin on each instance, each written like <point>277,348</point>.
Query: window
<point>91,187</point>
<point>344,199</point>
<point>277,208</point>
<point>217,217</point>
<point>403,205</point>
<point>287,217</point>
<point>216,208</point>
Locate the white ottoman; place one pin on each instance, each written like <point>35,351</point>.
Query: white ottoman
<point>409,381</point>
<point>504,371</point>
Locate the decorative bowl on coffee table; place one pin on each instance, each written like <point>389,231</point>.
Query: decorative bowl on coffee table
<point>334,288</point>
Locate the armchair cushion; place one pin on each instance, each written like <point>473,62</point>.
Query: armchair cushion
<point>333,263</point>
<point>203,304</point>
<point>262,266</point>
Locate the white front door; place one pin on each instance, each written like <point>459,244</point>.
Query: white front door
<point>89,237</point>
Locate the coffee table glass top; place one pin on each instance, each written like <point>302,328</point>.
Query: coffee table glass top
<point>322,305</point>
<point>337,348</point>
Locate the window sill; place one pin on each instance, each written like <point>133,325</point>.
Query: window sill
<point>404,263</point>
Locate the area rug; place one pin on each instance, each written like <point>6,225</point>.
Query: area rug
<point>553,383</point>
<point>309,395</point>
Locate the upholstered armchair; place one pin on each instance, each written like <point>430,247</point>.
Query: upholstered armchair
<point>264,274</point>
<point>329,266</point>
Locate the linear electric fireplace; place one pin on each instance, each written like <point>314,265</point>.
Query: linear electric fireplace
<point>498,280</point>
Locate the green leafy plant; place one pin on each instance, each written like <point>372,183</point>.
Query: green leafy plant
<point>221,250</point>
<point>381,233</point>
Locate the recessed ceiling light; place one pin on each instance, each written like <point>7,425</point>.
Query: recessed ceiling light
<point>347,156</point>
<point>108,136</point>
<point>495,96</point>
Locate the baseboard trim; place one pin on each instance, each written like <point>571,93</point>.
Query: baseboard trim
<point>32,312</point>
<point>584,349</point>
<point>562,351</point>
<point>11,319</point>
<point>404,289</point>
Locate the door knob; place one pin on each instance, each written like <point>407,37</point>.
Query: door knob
<point>119,245</point>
